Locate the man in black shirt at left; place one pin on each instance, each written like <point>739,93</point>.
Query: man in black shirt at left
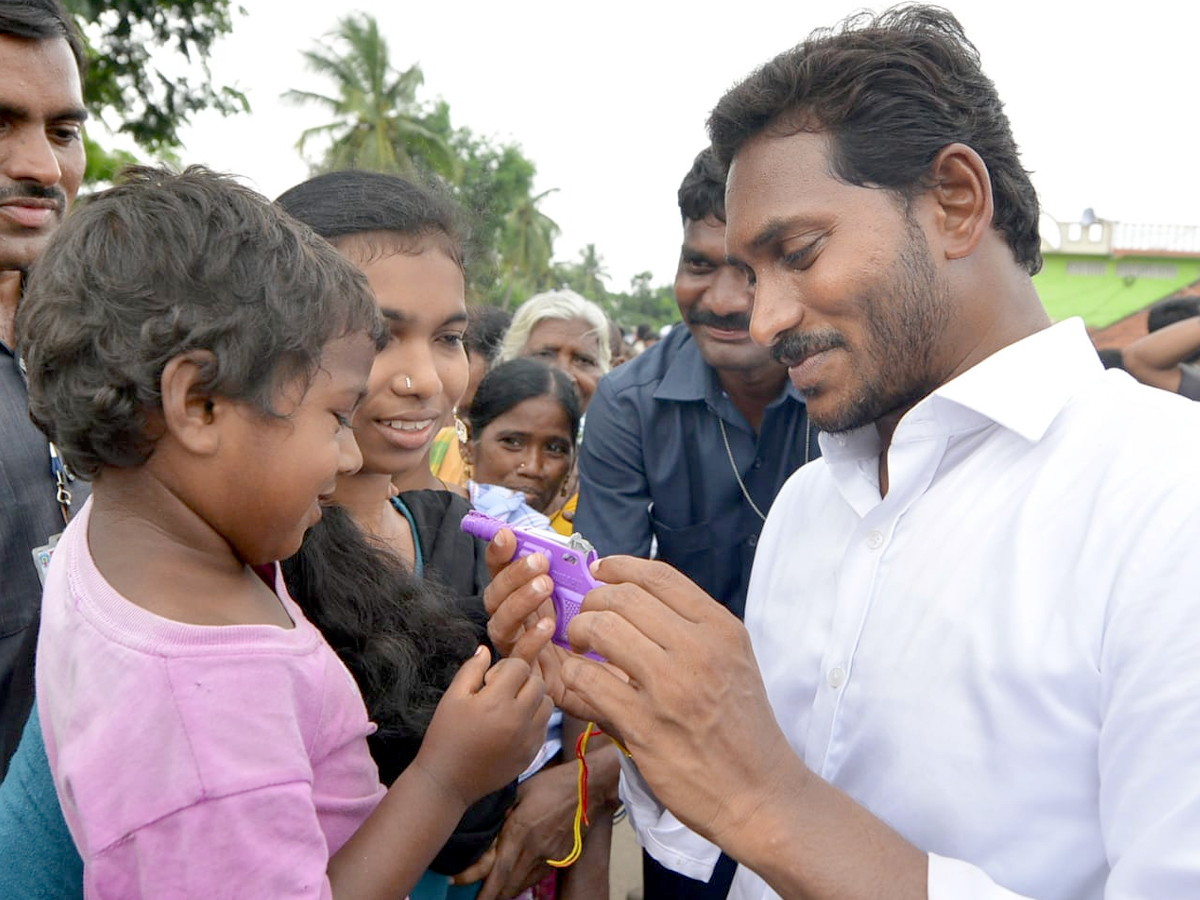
<point>41,166</point>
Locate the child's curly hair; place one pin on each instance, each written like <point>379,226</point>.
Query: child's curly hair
<point>165,264</point>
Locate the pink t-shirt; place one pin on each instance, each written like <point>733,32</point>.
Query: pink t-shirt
<point>196,761</point>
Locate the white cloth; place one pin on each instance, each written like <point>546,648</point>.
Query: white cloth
<point>1000,659</point>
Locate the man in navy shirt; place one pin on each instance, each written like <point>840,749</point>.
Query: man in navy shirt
<point>688,443</point>
<point>41,166</point>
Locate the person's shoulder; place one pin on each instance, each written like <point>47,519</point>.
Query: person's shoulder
<point>429,507</point>
<point>1138,442</point>
<point>1118,401</point>
<point>645,372</point>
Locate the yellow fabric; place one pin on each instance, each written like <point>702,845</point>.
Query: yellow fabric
<point>559,522</point>
<point>445,458</point>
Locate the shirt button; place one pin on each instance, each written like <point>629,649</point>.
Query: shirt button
<point>837,677</point>
<point>752,541</point>
<point>875,540</point>
<point>758,464</point>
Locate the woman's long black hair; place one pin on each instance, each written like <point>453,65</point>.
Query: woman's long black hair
<point>401,636</point>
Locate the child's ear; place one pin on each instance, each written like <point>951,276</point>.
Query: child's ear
<point>189,411</point>
<point>962,190</point>
<point>467,449</point>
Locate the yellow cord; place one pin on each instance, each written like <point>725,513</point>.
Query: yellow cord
<point>581,806</point>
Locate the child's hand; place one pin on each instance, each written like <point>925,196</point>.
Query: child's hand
<point>487,727</point>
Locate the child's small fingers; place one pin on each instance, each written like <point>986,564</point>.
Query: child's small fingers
<point>472,674</point>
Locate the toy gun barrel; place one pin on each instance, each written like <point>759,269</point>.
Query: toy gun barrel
<point>481,525</point>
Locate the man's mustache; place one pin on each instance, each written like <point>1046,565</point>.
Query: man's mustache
<point>796,346</point>
<point>731,322</point>
<point>35,192</point>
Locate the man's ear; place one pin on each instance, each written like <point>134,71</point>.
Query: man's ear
<point>962,191</point>
<point>189,412</point>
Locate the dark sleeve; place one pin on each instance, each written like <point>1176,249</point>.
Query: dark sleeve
<point>1189,381</point>
<point>614,492</point>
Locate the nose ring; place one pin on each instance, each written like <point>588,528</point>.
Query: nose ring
<point>407,383</point>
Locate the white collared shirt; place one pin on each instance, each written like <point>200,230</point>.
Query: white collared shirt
<point>1001,658</point>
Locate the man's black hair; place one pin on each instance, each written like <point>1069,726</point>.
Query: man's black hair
<point>702,193</point>
<point>486,326</point>
<point>891,90</point>
<point>42,20</point>
<point>1168,312</point>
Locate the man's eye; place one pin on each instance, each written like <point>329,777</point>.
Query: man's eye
<point>802,258</point>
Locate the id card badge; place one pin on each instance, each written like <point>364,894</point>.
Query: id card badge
<point>41,556</point>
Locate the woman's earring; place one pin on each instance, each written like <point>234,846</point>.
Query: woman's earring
<point>460,428</point>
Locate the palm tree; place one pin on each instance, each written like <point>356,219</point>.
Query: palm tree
<point>592,273</point>
<point>527,245</point>
<point>378,123</point>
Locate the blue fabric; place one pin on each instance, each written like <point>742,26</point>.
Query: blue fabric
<point>433,886</point>
<point>418,555</point>
<point>507,505</point>
<point>653,465</point>
<point>38,859</point>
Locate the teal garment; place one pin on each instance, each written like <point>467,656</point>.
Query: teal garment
<point>38,859</point>
<point>433,886</point>
<point>418,553</point>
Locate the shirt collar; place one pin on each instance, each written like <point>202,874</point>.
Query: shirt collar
<point>1022,387</point>
<point>689,378</point>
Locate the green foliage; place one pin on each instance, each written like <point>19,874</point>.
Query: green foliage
<point>103,165</point>
<point>377,122</point>
<point>126,84</point>
<point>644,303</point>
<point>586,275</point>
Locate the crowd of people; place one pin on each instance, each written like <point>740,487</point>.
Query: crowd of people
<point>897,592</point>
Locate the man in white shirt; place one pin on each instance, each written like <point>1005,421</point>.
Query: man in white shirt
<point>969,666</point>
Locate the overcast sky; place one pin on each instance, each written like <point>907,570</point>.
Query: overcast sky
<point>609,99</point>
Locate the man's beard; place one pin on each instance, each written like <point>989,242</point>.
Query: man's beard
<point>902,338</point>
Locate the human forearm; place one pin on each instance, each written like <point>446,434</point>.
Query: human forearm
<point>587,878</point>
<point>809,840</point>
<point>1155,358</point>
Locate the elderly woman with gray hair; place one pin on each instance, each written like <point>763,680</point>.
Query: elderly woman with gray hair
<point>570,333</point>
<point>565,330</point>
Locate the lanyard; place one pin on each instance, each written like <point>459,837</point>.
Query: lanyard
<point>61,480</point>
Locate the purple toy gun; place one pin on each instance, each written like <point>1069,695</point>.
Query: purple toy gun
<point>569,558</point>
